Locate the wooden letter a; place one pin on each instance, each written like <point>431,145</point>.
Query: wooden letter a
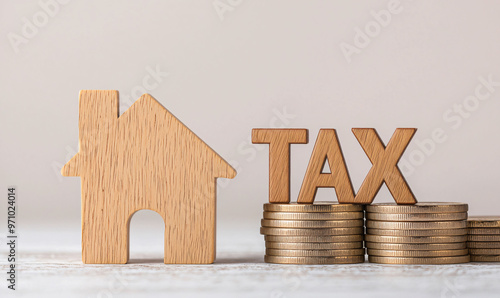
<point>327,147</point>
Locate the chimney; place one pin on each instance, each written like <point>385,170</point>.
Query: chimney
<point>98,115</point>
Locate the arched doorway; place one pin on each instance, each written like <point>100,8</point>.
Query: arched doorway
<point>146,237</point>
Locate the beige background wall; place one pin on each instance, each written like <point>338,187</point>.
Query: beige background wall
<point>224,67</point>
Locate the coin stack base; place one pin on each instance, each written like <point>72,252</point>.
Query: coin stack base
<point>313,234</point>
<point>424,233</point>
<point>484,238</point>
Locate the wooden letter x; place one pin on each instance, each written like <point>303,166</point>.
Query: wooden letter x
<point>384,169</point>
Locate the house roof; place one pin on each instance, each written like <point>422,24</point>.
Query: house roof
<point>152,107</point>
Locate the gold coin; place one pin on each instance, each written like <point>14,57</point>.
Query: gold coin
<point>448,232</point>
<point>311,232</point>
<point>420,261</point>
<point>314,245</point>
<point>277,223</point>
<point>484,251</point>
<point>472,244</point>
<point>415,239</point>
<point>485,258</point>
<point>425,207</point>
<point>315,239</point>
<point>314,260</point>
<point>418,253</point>
<point>416,225</point>
<point>484,222</point>
<point>313,215</point>
<point>417,216</point>
<point>486,238</point>
<point>316,207</point>
<point>416,246</point>
<point>315,253</point>
<point>484,231</point>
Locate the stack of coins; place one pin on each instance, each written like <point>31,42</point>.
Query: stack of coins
<point>319,233</point>
<point>424,233</point>
<point>484,238</point>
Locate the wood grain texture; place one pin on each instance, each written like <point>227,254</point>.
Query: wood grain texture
<point>327,147</point>
<point>384,169</point>
<point>279,141</point>
<point>144,159</point>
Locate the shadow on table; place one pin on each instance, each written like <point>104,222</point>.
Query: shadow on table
<point>239,260</point>
<point>219,260</point>
<point>145,261</point>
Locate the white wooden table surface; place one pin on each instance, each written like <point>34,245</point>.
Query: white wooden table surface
<point>50,266</point>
